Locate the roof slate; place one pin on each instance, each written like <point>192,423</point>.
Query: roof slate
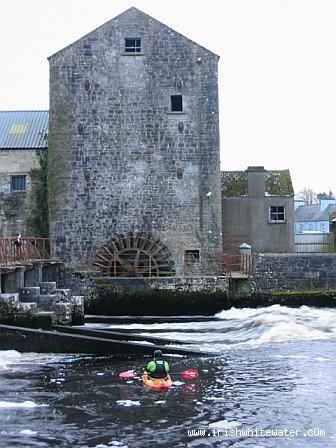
<point>23,129</point>
<point>313,213</point>
<point>277,183</point>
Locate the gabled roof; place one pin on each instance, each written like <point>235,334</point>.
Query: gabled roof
<point>234,183</point>
<point>277,183</point>
<point>23,129</point>
<point>307,213</point>
<point>129,11</point>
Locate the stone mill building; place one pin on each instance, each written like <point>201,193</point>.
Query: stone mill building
<point>134,150</point>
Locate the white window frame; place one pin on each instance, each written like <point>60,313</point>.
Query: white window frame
<point>277,213</point>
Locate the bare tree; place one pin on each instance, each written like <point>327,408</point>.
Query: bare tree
<point>308,195</point>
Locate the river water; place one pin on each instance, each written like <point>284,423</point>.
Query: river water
<point>270,382</point>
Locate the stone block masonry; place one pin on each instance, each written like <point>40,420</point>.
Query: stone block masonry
<point>158,296</point>
<point>293,272</point>
<point>14,206</point>
<point>120,159</point>
<point>29,307</point>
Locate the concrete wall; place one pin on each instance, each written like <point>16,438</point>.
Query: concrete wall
<point>159,296</point>
<point>14,206</point>
<point>121,160</point>
<point>250,215</point>
<point>292,272</point>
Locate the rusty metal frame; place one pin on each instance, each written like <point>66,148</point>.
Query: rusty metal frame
<point>14,250</point>
<point>234,265</point>
<point>126,255</point>
<point>231,243</point>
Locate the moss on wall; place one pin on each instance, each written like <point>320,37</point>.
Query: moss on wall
<point>157,302</point>
<point>315,298</point>
<point>38,219</point>
<point>58,153</point>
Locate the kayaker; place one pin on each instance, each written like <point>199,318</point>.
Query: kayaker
<point>158,367</point>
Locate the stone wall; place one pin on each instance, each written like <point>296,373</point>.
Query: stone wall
<point>293,272</point>
<point>121,160</point>
<point>14,206</point>
<point>40,305</point>
<point>158,296</point>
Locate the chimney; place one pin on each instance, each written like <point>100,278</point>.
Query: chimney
<point>256,181</point>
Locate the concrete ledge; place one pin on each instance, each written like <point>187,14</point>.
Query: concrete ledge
<point>29,294</point>
<point>40,341</point>
<point>174,296</point>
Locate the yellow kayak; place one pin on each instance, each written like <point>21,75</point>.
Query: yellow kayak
<point>157,383</point>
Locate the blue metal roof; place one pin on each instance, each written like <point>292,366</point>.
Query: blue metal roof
<point>23,129</point>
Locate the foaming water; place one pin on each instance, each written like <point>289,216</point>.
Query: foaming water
<point>284,380</point>
<point>19,405</point>
<point>248,327</point>
<point>14,360</point>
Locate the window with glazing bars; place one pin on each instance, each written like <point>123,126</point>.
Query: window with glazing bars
<point>19,183</point>
<point>132,45</point>
<point>277,212</point>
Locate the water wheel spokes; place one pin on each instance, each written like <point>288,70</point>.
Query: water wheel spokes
<point>135,255</point>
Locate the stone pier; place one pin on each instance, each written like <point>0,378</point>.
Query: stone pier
<point>26,300</point>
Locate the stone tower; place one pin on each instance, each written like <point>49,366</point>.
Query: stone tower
<point>134,144</point>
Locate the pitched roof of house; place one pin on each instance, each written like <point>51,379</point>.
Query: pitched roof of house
<point>128,12</point>
<point>313,213</point>
<point>277,183</point>
<point>23,129</point>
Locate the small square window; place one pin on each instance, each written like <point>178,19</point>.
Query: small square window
<point>19,183</point>
<point>176,103</point>
<point>277,213</point>
<point>191,256</point>
<point>132,45</point>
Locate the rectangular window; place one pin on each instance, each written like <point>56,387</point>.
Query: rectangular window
<point>176,103</point>
<point>191,256</point>
<point>132,45</point>
<point>19,183</point>
<point>277,213</point>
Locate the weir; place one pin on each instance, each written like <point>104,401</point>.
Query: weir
<point>116,335</point>
<point>146,319</point>
<point>41,341</point>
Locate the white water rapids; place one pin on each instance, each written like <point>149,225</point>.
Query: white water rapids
<point>248,327</point>
<point>270,368</point>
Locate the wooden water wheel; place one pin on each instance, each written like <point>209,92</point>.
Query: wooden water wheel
<point>135,255</point>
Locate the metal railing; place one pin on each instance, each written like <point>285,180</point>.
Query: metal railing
<point>231,243</point>
<point>234,265</point>
<point>14,250</point>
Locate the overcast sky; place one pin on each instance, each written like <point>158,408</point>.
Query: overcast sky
<point>277,70</point>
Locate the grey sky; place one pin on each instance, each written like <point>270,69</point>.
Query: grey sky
<point>277,77</point>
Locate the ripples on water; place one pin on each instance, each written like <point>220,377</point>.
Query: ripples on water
<point>272,368</point>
